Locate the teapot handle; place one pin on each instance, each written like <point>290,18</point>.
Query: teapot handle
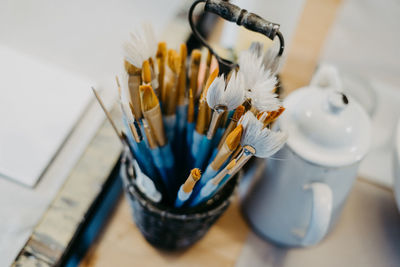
<point>320,214</point>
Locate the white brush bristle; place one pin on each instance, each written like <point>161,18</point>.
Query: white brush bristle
<point>263,140</point>
<point>141,47</point>
<point>258,82</point>
<point>215,92</point>
<point>271,59</point>
<point>234,92</point>
<point>262,96</point>
<point>251,67</point>
<point>230,95</point>
<point>257,48</point>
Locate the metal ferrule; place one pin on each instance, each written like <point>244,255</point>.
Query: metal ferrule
<point>243,157</point>
<point>218,112</point>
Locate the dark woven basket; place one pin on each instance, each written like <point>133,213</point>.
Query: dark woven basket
<point>170,228</point>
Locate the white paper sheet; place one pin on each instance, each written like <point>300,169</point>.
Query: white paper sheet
<point>39,105</point>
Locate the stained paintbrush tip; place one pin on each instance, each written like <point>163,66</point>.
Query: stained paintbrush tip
<point>146,72</point>
<point>162,50</point>
<point>196,56</point>
<point>131,69</point>
<point>238,113</point>
<point>149,98</point>
<point>233,139</point>
<point>183,52</point>
<point>196,174</point>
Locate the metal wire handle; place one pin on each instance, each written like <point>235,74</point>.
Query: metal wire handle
<point>242,17</point>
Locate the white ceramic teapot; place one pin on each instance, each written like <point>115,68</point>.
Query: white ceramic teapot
<point>306,184</point>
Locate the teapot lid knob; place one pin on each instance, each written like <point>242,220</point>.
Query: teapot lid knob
<point>337,101</point>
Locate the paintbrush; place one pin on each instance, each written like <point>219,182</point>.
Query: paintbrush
<point>120,134</point>
<point>144,183</point>
<point>195,60</point>
<point>221,99</point>
<point>147,177</point>
<point>182,75</point>
<point>181,111</point>
<point>208,66</point>
<point>134,81</point>
<point>232,124</point>
<point>152,113</point>
<point>190,119</point>
<point>171,85</point>
<point>256,141</point>
<point>157,157</point>
<point>211,186</point>
<point>186,189</point>
<point>227,148</point>
<point>161,57</point>
<point>134,135</point>
<point>141,47</point>
<point>202,119</point>
<point>259,83</point>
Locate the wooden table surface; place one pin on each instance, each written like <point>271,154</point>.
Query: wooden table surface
<point>121,243</point>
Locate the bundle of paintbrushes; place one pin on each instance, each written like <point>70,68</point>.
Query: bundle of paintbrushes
<point>189,129</point>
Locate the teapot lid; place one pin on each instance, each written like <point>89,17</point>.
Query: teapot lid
<point>325,126</point>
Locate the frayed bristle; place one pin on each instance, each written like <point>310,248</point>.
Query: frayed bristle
<point>162,50</point>
<point>238,113</point>
<point>256,48</point>
<point>215,92</point>
<point>264,141</point>
<point>196,174</point>
<point>271,59</point>
<point>234,93</point>
<point>233,139</point>
<point>251,67</point>
<point>148,97</point>
<point>259,83</point>
<point>262,96</point>
<point>231,97</point>
<point>142,45</point>
<point>196,56</point>
<point>146,72</point>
